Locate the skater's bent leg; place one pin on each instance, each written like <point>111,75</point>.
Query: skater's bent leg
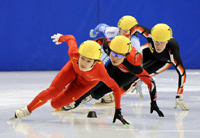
<point>57,86</point>
<point>71,94</point>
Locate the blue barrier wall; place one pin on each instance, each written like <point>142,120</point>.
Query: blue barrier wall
<point>26,27</point>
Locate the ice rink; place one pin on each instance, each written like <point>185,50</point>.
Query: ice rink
<point>17,89</point>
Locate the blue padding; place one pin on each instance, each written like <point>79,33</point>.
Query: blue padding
<point>26,27</point>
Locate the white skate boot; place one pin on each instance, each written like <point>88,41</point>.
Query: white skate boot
<point>87,99</point>
<point>23,112</point>
<point>108,98</point>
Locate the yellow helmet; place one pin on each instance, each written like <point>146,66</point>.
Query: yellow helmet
<point>121,45</point>
<point>90,49</point>
<point>161,32</point>
<point>127,22</point>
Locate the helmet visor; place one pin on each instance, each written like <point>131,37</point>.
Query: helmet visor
<point>116,55</point>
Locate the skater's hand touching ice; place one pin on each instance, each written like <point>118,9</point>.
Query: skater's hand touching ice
<point>155,107</point>
<point>179,101</point>
<point>119,116</point>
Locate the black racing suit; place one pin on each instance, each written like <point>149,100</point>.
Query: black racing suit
<point>123,74</point>
<point>155,63</point>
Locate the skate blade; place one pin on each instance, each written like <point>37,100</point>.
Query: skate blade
<point>13,119</point>
<point>100,103</point>
<point>58,110</point>
<point>132,91</point>
<point>140,95</point>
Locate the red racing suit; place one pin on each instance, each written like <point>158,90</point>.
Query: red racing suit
<point>78,82</point>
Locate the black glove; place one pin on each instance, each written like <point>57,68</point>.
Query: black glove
<point>119,116</point>
<point>155,107</point>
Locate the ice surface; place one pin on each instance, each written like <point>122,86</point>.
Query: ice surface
<point>17,89</point>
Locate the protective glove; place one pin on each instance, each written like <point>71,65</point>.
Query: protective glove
<point>155,107</point>
<point>56,37</point>
<point>119,116</point>
<point>179,101</point>
<point>93,33</point>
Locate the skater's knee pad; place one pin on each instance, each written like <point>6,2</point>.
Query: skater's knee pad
<point>56,104</point>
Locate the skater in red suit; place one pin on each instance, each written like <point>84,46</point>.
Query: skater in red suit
<point>82,72</point>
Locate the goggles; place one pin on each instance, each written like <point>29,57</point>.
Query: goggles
<point>124,32</point>
<point>160,43</point>
<point>116,55</point>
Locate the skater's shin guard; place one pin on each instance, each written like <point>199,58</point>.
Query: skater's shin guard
<point>37,102</point>
<point>55,104</point>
